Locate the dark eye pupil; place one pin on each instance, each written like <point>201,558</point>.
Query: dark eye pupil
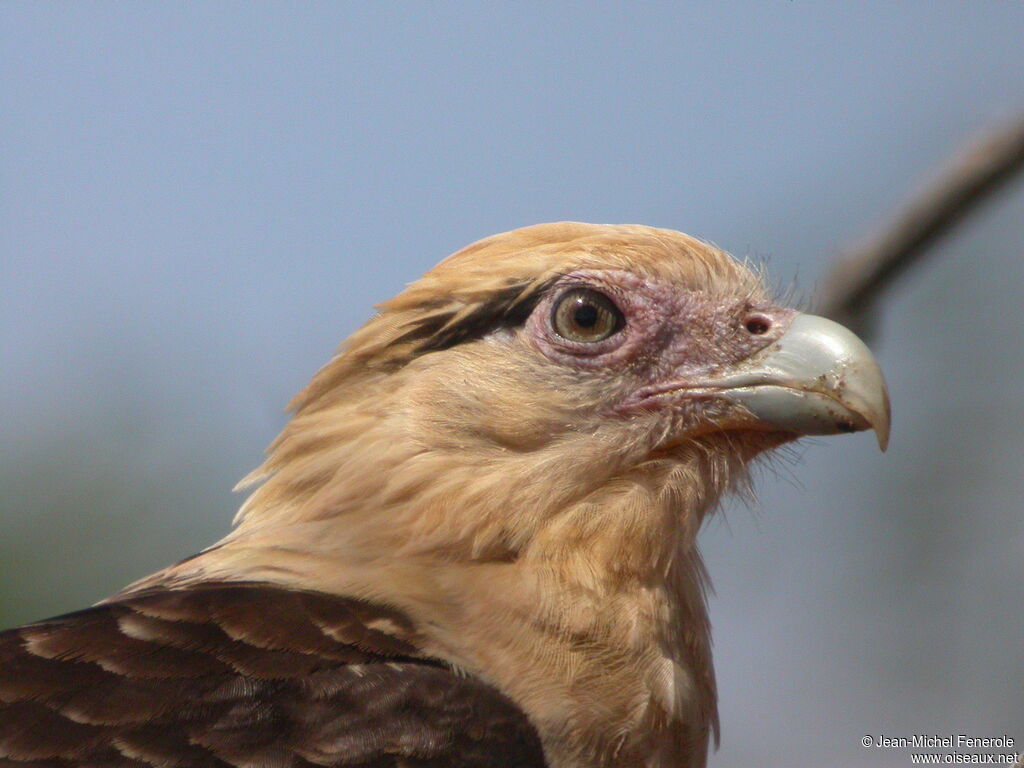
<point>585,316</point>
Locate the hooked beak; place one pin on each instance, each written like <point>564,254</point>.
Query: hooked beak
<point>818,378</point>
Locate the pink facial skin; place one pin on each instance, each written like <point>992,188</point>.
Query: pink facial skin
<point>671,340</point>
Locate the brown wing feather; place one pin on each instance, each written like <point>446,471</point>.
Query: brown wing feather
<point>245,675</point>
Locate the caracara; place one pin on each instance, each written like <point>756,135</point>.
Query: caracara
<point>473,546</point>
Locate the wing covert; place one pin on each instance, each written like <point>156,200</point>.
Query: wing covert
<point>245,675</point>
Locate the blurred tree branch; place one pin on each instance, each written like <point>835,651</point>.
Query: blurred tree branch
<point>862,274</point>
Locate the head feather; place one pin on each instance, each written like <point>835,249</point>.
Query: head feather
<point>497,281</point>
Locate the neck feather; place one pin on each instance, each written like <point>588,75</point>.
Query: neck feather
<point>567,575</point>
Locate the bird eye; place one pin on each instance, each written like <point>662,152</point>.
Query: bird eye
<point>586,316</point>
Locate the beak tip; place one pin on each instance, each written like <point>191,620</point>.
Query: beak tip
<point>883,439</point>
<point>881,428</point>
<point>881,420</point>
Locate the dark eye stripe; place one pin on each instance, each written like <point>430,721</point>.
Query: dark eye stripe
<point>506,308</point>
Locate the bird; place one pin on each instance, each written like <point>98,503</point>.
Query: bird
<point>475,541</point>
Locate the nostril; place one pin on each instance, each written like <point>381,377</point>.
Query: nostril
<point>758,324</point>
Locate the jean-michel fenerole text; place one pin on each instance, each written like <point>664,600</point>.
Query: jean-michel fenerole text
<point>951,741</point>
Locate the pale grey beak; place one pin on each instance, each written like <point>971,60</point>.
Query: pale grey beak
<point>817,379</point>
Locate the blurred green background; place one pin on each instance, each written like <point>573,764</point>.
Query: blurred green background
<point>199,201</point>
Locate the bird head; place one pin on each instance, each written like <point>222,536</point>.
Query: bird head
<point>544,368</point>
